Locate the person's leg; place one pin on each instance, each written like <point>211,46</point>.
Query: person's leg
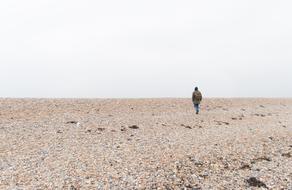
<point>197,108</point>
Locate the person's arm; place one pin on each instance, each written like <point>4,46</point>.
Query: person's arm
<point>201,96</point>
<point>193,97</point>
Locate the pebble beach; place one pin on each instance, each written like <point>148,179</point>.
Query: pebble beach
<point>145,144</point>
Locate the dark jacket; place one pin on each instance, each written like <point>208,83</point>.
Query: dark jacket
<point>197,97</point>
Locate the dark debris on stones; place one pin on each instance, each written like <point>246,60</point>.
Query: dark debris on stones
<point>288,155</point>
<point>254,182</point>
<point>71,122</point>
<point>133,127</point>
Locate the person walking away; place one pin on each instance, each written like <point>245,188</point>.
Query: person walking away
<point>197,98</point>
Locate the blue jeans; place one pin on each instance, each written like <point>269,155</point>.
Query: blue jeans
<point>197,107</point>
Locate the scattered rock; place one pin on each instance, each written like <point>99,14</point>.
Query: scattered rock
<point>123,128</point>
<point>71,122</point>
<point>262,106</point>
<point>271,138</point>
<point>186,126</point>
<point>72,187</point>
<point>264,158</point>
<point>88,131</point>
<point>191,187</point>
<point>234,118</point>
<point>222,122</point>
<point>196,161</point>
<point>284,126</point>
<point>260,115</point>
<point>204,175</point>
<point>254,182</point>
<point>100,129</point>
<point>133,127</point>
<point>226,165</point>
<point>245,167</point>
<point>288,155</point>
<point>163,124</point>
<point>59,131</point>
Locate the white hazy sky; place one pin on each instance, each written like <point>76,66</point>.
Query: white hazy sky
<point>153,48</point>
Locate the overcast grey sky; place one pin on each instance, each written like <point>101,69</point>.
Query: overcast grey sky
<point>153,48</point>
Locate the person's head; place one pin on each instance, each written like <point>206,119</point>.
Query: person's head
<point>196,89</point>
